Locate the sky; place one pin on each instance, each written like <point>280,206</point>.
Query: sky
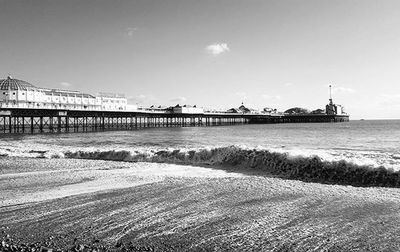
<point>211,53</point>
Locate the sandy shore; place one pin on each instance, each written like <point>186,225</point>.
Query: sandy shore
<point>173,207</point>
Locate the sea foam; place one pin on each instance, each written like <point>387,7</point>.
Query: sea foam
<point>355,168</point>
<point>311,168</point>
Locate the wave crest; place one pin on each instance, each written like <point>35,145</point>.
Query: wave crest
<point>311,169</point>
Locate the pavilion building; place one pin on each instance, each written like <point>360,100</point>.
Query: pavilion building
<point>16,93</point>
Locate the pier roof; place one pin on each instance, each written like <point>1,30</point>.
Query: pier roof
<point>15,84</point>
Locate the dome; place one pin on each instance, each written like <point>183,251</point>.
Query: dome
<point>14,84</point>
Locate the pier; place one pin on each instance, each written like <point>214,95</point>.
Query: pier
<point>27,120</point>
<point>26,108</point>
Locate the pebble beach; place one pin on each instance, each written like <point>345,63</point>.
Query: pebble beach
<point>92,205</point>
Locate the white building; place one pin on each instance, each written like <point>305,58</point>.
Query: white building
<point>186,109</point>
<point>16,93</point>
<point>334,109</point>
<point>111,101</point>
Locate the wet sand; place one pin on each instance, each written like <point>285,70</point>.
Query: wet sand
<point>173,207</point>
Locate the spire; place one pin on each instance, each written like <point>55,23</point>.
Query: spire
<point>330,92</point>
<point>330,95</point>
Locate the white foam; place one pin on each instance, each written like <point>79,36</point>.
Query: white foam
<point>359,157</point>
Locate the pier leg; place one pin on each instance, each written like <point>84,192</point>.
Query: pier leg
<point>135,122</point>
<point>51,122</point>
<point>9,124</point>
<point>15,125</point>
<point>41,124</point>
<point>23,124</point>
<point>32,128</point>
<point>131,122</point>
<point>59,124</point>
<point>67,123</point>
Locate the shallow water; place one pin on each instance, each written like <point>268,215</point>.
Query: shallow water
<point>373,143</point>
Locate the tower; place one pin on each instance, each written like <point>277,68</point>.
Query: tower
<point>331,109</point>
<point>330,95</point>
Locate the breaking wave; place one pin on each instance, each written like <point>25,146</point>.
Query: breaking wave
<point>284,165</point>
<point>351,168</point>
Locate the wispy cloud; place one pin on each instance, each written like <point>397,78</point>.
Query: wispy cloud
<point>179,100</point>
<point>217,48</point>
<point>65,84</point>
<point>288,84</point>
<point>130,31</point>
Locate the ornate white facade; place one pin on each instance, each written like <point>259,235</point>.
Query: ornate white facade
<point>21,94</point>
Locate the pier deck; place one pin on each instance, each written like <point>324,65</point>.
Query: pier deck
<point>17,120</point>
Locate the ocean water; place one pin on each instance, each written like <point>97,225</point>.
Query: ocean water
<point>373,143</point>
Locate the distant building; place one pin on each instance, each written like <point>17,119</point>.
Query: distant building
<point>159,109</point>
<point>333,109</point>
<point>318,111</point>
<point>111,101</point>
<point>233,110</point>
<point>269,111</point>
<point>186,109</point>
<point>16,93</point>
<point>243,110</point>
<point>297,110</point>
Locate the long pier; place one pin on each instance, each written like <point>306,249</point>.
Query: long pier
<point>19,121</point>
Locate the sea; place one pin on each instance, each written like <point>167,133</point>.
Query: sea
<point>373,143</point>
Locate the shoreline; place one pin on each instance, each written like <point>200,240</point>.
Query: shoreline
<point>197,208</point>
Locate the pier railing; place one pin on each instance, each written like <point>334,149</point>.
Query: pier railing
<point>28,120</point>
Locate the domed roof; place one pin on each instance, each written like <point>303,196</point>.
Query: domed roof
<point>14,84</point>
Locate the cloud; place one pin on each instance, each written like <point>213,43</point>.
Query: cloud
<point>65,84</point>
<point>217,48</point>
<point>130,31</point>
<point>179,100</point>
<point>288,84</point>
<point>343,90</point>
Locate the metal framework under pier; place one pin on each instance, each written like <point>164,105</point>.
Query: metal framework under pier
<point>52,121</point>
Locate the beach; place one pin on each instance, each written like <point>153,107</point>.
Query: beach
<point>62,203</point>
<point>184,125</point>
